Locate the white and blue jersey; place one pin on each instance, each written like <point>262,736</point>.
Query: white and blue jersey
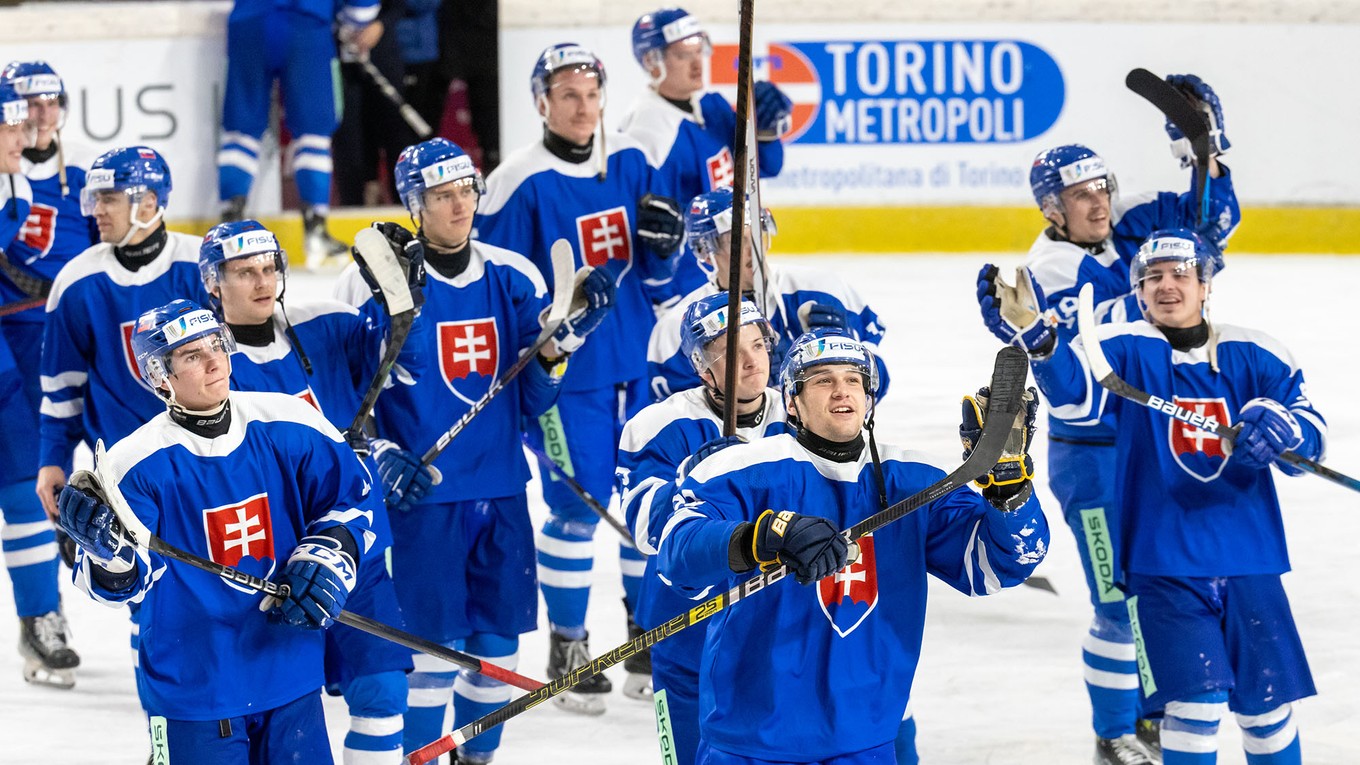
<point>853,639</point>
<point>354,12</point>
<point>791,290</point>
<point>16,200</point>
<point>54,231</point>
<point>242,499</point>
<point>535,198</point>
<point>91,386</point>
<point>1177,482</point>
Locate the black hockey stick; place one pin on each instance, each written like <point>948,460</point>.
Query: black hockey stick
<point>1008,388</point>
<point>382,263</point>
<point>737,248</point>
<point>149,542</point>
<point>1191,122</point>
<point>22,305</point>
<point>580,491</point>
<point>1105,375</point>
<point>563,287</point>
<point>408,113</point>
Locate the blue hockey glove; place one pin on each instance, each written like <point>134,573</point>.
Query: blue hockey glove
<point>320,575</point>
<point>811,547</point>
<point>1007,484</point>
<point>405,480</point>
<point>91,523</point>
<point>709,449</point>
<point>660,224</point>
<point>1204,97</point>
<point>774,111</point>
<point>594,297</point>
<point>410,253</point>
<point>825,316</point>
<point>1017,315</point>
<point>1267,429</point>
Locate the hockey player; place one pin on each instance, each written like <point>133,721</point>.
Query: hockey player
<point>799,299</point>
<point>290,42</point>
<point>326,353</point>
<point>1210,618</point>
<point>783,499</point>
<point>256,481</point>
<point>462,557</point>
<point>687,133</point>
<point>676,435</point>
<point>604,200</point>
<point>1092,236</point>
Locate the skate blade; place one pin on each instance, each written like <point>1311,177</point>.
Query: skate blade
<point>638,687</point>
<point>40,674</point>
<point>591,704</point>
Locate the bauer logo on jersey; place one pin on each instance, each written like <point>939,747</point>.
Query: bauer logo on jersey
<point>1199,452</point>
<point>720,169</point>
<point>240,530</point>
<point>605,236</point>
<point>851,594</point>
<point>467,348</point>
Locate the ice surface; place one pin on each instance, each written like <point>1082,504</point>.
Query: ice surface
<point>1000,677</point>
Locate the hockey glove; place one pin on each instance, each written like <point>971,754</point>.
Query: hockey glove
<point>823,316</point>
<point>709,449</point>
<point>594,297</point>
<point>1017,315</point>
<point>410,254</point>
<point>320,575</point>
<point>1008,484</point>
<point>405,480</point>
<point>811,547</point>
<point>774,111</point>
<point>1267,429</point>
<point>661,227</point>
<point>1203,97</point>
<point>91,523</point>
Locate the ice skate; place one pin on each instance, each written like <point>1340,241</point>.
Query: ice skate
<point>1150,735</point>
<point>1125,750</point>
<point>47,658</point>
<point>639,665</point>
<point>234,209</point>
<point>587,697</point>
<point>324,252</point>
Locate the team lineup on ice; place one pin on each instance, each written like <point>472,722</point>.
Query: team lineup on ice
<point>323,506</point>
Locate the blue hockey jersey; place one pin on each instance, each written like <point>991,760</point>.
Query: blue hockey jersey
<point>242,499</point>
<point>1061,268</point>
<point>16,199</point>
<point>850,642</point>
<point>534,198</point>
<point>91,387</point>
<point>352,12</point>
<point>477,324</point>
<point>53,233</point>
<point>1189,508</point>
<point>792,289</point>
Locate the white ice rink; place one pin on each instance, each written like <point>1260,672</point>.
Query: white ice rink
<point>1000,677</point>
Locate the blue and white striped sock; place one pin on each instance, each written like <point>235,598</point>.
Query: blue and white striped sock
<point>1271,738</point>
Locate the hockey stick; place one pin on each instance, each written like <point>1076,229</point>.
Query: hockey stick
<point>1183,114</point>
<point>147,543</point>
<point>580,491</point>
<point>382,263</point>
<point>737,249</point>
<point>563,287</point>
<point>408,112</point>
<point>1008,387</point>
<point>22,305</point>
<point>1105,375</point>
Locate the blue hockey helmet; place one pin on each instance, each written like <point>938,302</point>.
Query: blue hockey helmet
<point>709,216</point>
<point>1064,166</point>
<point>825,346</point>
<point>563,57</point>
<point>1182,246</point>
<point>429,164</point>
<point>134,170</point>
<point>160,331</point>
<point>35,79</point>
<point>238,239</point>
<point>13,105</point>
<point>705,320</point>
<point>654,31</point>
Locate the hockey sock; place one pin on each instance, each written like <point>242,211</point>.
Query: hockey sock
<point>1271,738</point>
<point>376,704</point>
<point>429,689</point>
<point>905,745</point>
<point>632,565</point>
<point>30,548</point>
<point>310,158</point>
<point>565,559</point>
<point>475,696</point>
<point>1190,729</point>
<point>238,161</point>
<point>1110,668</point>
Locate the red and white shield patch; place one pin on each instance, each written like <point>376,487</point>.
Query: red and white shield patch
<point>468,347</point>
<point>720,169</point>
<point>1199,452</point>
<point>131,358</point>
<point>240,530</point>
<point>851,594</point>
<point>40,228</point>
<point>605,236</point>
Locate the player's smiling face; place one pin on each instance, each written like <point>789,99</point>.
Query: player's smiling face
<point>1173,296</point>
<point>1087,212</point>
<point>833,402</point>
<point>684,61</point>
<point>201,374</point>
<point>446,218</point>
<point>574,102</point>
<point>248,288</point>
<point>12,142</point>
<point>44,116</point>
<point>753,366</point>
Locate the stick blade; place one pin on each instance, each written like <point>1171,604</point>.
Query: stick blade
<point>1090,341</point>
<point>1177,108</point>
<point>1009,375</point>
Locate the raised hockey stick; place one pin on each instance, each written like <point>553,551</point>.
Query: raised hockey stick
<point>736,250</point>
<point>408,112</point>
<point>382,263</point>
<point>1008,388</point>
<point>148,542</point>
<point>1183,114</point>
<point>580,491</point>
<point>22,305</point>
<point>1105,375</point>
<point>563,287</point>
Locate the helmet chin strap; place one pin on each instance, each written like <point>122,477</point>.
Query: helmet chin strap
<point>135,225</point>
